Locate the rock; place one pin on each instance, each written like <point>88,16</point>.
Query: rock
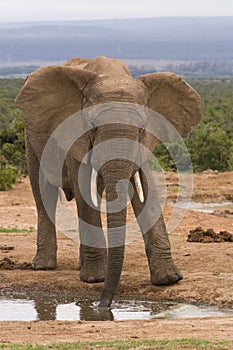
<point>209,236</point>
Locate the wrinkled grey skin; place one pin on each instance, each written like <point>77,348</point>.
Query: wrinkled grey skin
<point>52,94</point>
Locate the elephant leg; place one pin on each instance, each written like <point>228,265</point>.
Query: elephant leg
<point>46,256</point>
<point>150,219</point>
<point>93,252</point>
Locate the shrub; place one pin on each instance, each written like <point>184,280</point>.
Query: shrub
<point>8,176</point>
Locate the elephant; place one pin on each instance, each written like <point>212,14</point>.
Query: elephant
<point>53,94</point>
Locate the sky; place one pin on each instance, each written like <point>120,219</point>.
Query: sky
<point>39,10</point>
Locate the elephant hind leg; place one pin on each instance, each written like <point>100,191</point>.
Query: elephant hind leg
<point>46,256</point>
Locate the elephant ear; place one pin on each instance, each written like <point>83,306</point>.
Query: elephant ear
<point>52,94</point>
<point>175,100</point>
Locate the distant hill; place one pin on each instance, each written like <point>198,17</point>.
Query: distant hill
<point>168,38</point>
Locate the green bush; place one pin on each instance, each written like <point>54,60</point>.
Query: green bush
<point>173,156</point>
<point>13,145</point>
<point>210,148</point>
<point>210,143</point>
<point>8,176</point>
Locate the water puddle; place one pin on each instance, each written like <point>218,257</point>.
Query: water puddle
<point>70,310</point>
<point>209,208</point>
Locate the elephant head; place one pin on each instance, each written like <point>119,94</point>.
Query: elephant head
<point>52,94</point>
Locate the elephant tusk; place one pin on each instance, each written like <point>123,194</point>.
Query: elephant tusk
<point>94,187</point>
<point>138,186</point>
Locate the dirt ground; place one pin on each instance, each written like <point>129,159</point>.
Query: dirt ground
<point>207,270</point>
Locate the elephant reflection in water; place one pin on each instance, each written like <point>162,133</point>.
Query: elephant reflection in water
<point>49,97</point>
<point>47,309</point>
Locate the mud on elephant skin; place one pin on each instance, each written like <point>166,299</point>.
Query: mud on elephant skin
<point>95,116</point>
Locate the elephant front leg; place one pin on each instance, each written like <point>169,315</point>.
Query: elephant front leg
<point>46,200</point>
<point>150,219</point>
<point>92,264</point>
<point>93,252</point>
<point>162,268</point>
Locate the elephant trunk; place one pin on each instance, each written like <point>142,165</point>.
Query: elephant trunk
<point>116,185</point>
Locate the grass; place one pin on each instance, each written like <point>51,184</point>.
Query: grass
<point>216,273</point>
<point>15,230</point>
<point>176,344</point>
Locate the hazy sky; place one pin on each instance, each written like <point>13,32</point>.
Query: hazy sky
<point>31,10</point>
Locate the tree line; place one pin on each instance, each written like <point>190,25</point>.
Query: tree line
<point>198,69</point>
<point>209,144</point>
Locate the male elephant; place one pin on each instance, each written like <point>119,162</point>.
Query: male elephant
<point>107,150</point>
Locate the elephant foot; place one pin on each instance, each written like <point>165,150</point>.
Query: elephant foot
<point>42,262</point>
<point>165,273</point>
<point>93,273</point>
<point>92,266</point>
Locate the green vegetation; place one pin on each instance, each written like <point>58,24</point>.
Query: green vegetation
<point>15,230</point>
<point>176,344</point>
<point>210,143</point>
<point>12,148</point>
<point>8,91</point>
<point>216,273</point>
<point>8,177</point>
